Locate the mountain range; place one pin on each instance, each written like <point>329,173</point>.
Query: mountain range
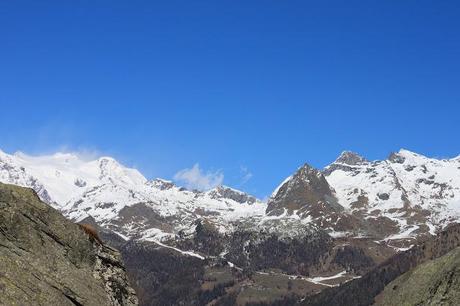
<point>402,197</point>
<point>319,228</point>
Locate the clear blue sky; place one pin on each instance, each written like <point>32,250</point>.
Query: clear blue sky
<point>262,85</point>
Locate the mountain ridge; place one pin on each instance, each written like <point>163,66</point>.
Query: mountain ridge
<point>350,192</point>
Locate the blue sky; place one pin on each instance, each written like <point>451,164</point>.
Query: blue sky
<point>249,90</point>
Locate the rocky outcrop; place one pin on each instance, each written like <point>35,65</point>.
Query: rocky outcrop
<point>308,195</point>
<point>307,190</point>
<point>345,162</point>
<point>47,260</point>
<point>223,192</point>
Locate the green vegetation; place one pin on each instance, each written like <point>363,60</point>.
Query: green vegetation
<point>436,282</point>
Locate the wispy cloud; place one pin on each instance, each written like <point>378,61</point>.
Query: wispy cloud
<point>197,178</point>
<point>85,154</point>
<point>247,175</point>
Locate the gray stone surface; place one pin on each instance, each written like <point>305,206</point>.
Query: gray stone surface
<point>47,260</point>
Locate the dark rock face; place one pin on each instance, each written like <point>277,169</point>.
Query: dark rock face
<point>47,260</point>
<point>396,158</point>
<point>161,184</point>
<point>307,190</point>
<point>143,215</point>
<point>350,158</point>
<point>229,193</point>
<point>308,195</point>
<point>80,182</point>
<point>345,162</point>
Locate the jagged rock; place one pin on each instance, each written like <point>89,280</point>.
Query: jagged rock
<point>161,184</point>
<point>80,182</point>
<point>308,195</point>
<point>396,158</point>
<point>47,260</point>
<point>223,192</point>
<point>345,162</point>
<point>350,158</point>
<point>306,190</point>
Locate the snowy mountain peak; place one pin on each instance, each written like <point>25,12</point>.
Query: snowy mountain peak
<point>350,158</point>
<point>405,152</point>
<point>409,194</point>
<point>121,198</point>
<point>161,184</point>
<point>224,192</point>
<point>112,170</point>
<point>64,176</point>
<point>306,170</point>
<point>345,161</point>
<point>306,176</point>
<point>304,191</point>
<point>403,155</point>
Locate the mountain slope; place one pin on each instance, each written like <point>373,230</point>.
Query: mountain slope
<point>47,260</point>
<point>436,282</point>
<point>362,291</point>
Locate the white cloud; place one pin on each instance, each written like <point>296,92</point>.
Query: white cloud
<point>196,178</point>
<point>247,175</point>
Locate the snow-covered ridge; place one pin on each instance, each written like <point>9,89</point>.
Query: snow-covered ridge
<point>416,193</point>
<point>65,175</point>
<point>111,193</point>
<point>408,194</point>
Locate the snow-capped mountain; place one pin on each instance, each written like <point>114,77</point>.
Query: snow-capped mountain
<point>64,176</point>
<point>121,198</point>
<point>404,196</point>
<point>408,194</point>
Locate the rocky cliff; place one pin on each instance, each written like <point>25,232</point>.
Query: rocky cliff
<point>48,260</point>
